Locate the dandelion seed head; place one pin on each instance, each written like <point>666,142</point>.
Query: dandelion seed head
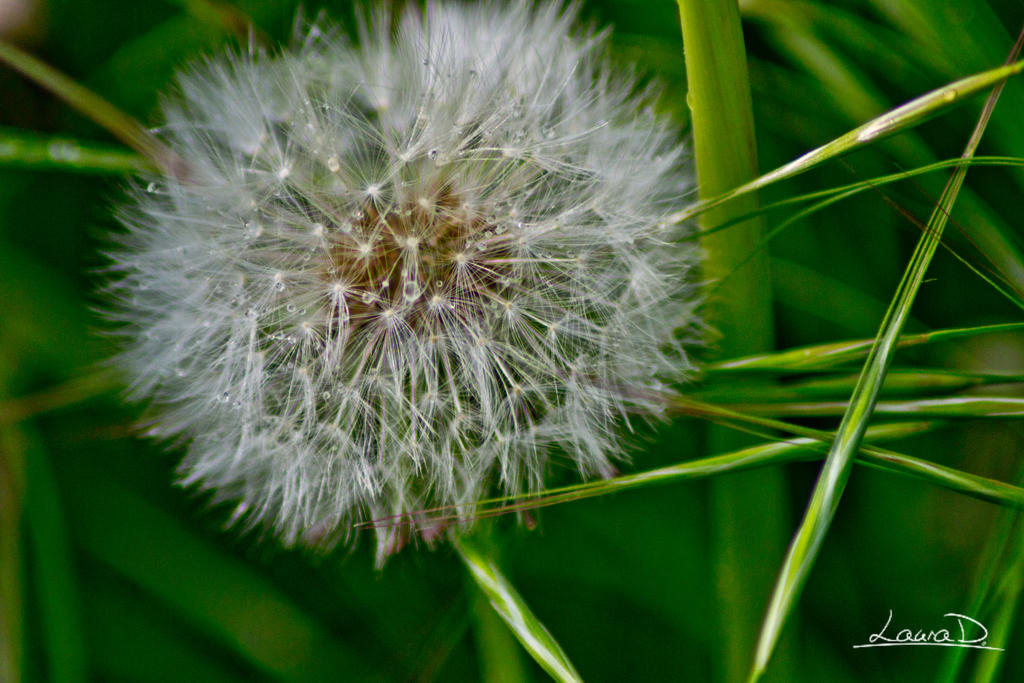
<point>404,273</point>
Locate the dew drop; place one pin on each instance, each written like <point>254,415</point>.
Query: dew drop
<point>279,286</point>
<point>290,308</point>
<point>151,188</point>
<point>411,291</point>
<point>333,165</point>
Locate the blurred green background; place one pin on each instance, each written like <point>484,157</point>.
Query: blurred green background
<point>109,573</point>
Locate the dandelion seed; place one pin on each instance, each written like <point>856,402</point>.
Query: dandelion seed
<point>458,322</point>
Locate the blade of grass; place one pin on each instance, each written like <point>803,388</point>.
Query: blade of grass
<point>510,606</point>
<point>1010,289</point>
<point>905,116</point>
<point>761,455</point>
<point>812,444</point>
<point>835,472</point>
<point>825,356</point>
<point>853,93</point>
<point>949,407</point>
<point>24,150</point>
<point>224,599</point>
<point>53,569</point>
<point>68,393</point>
<point>990,662</point>
<point>748,513</point>
<point>991,566</point>
<point>898,381</point>
<point>12,492</point>
<point>853,189</point>
<point>224,16</point>
<point>499,653</point>
<point>119,124</point>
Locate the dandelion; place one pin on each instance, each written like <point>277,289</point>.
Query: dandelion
<point>406,273</point>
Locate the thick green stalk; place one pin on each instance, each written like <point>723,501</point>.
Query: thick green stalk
<point>748,513</point>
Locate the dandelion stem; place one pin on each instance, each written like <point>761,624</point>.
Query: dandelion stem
<point>511,607</point>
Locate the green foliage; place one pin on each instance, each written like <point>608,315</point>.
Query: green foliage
<point>107,572</point>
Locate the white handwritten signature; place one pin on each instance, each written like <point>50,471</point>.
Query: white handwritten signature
<point>937,638</point>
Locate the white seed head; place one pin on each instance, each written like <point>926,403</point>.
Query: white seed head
<point>478,276</point>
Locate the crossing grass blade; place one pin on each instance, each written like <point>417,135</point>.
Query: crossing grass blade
<point>915,382</point>
<point>119,124</point>
<point>510,606</point>
<point>808,444</point>
<point>858,98</point>
<point>905,116</point>
<point>853,189</point>
<point>835,472</point>
<point>834,354</point>
<point>947,407</point>
<point>25,150</point>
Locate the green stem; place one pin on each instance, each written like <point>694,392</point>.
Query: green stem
<point>513,610</point>
<point>500,660</point>
<point>120,125</point>
<point>748,511</point>
<point>12,491</point>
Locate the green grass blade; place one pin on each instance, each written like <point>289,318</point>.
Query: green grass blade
<point>119,124</point>
<point>853,93</point>
<point>65,394</point>
<point>811,444</point>
<point>990,662</point>
<point>902,117</point>
<point>991,567</point>
<point>835,472</point>
<point>825,356</point>
<point>499,656</point>
<point>12,493</point>
<point>900,381</point>
<point>853,189</point>
<point>947,407</point>
<point>24,150</point>
<point>229,603</point>
<point>752,457</point>
<point>54,576</point>
<point>223,16</point>
<point>510,606</point>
